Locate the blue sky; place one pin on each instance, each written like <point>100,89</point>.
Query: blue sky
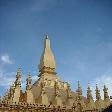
<point>81,39</point>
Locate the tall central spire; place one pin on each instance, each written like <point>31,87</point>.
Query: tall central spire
<point>47,59</point>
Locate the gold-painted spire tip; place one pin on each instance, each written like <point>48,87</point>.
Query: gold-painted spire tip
<point>46,36</point>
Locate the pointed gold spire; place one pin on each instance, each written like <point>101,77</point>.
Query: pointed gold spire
<point>69,100</point>
<point>68,91</point>
<point>17,87</point>
<point>106,97</point>
<point>28,82</point>
<point>18,73</point>
<point>99,102</point>
<point>18,77</point>
<point>47,62</point>
<point>98,97</point>
<point>80,106</point>
<point>79,91</point>
<point>28,92</point>
<point>90,102</point>
<point>89,94</point>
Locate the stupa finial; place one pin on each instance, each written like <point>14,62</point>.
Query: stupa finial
<point>46,36</point>
<point>47,58</point>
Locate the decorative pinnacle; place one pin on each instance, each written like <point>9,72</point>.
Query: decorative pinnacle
<point>89,94</point>
<point>79,90</point>
<point>19,69</point>
<point>79,86</point>
<point>18,72</point>
<point>46,36</point>
<point>28,81</point>
<point>18,77</point>
<point>98,97</point>
<point>106,96</point>
<point>97,90</point>
<point>88,86</point>
<point>105,88</point>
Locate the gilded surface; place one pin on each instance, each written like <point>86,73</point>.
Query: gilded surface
<point>49,93</point>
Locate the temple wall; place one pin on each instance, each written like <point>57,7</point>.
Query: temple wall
<point>36,108</point>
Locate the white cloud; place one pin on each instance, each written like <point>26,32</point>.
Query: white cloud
<point>6,59</point>
<point>101,81</point>
<point>6,79</point>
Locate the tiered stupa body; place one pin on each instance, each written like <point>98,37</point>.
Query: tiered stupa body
<point>54,88</point>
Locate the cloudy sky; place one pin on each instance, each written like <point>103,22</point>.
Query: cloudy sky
<point>81,39</point>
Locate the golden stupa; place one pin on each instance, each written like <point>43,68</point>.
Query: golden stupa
<point>49,93</point>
